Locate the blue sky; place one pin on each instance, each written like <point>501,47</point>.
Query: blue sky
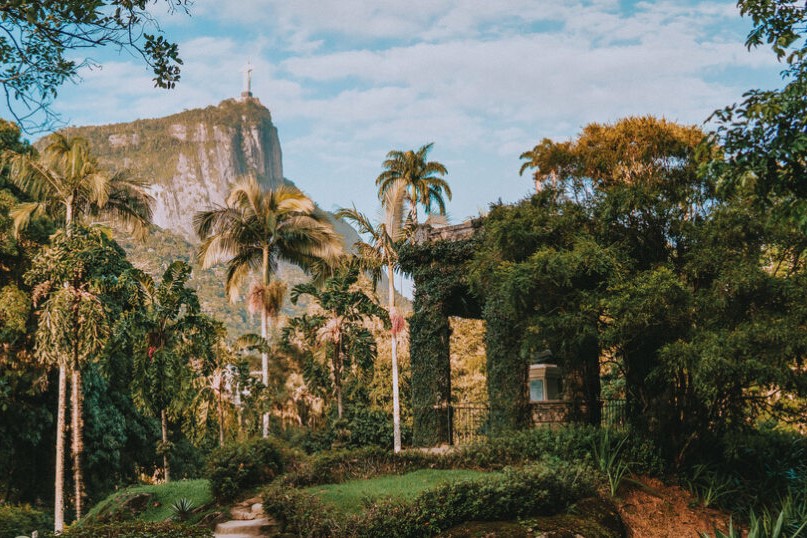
<point>347,81</point>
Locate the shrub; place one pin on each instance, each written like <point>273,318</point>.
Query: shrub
<point>301,513</point>
<point>239,466</point>
<point>533,490</point>
<point>137,529</point>
<point>571,442</point>
<point>341,465</point>
<point>18,520</point>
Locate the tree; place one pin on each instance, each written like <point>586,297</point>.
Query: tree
<point>337,331</point>
<point>41,39</point>
<point>166,333</point>
<point>638,181</point>
<point>72,276</point>
<point>380,252</point>
<point>255,230</point>
<point>764,137</point>
<point>67,184</point>
<point>214,384</point>
<point>422,180</point>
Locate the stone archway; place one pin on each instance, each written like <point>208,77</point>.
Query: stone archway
<point>437,259</point>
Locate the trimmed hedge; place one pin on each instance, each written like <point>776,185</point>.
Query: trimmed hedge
<point>22,519</point>
<point>137,529</point>
<point>239,466</point>
<point>342,465</point>
<point>533,490</point>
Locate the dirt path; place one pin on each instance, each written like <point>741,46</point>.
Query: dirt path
<point>657,510</point>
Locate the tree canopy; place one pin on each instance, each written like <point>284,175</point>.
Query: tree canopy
<point>40,42</point>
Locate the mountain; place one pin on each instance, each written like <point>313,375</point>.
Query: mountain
<point>191,159</point>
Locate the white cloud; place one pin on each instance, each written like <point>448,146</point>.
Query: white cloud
<point>347,81</point>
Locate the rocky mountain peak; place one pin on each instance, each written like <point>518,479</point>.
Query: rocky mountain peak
<point>191,158</point>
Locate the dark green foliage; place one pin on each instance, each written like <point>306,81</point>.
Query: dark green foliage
<point>440,291</point>
<point>572,442</point>
<point>300,513</point>
<point>236,467</point>
<point>22,520</point>
<point>137,529</point>
<point>517,492</point>
<point>335,346</point>
<point>764,137</point>
<point>337,466</point>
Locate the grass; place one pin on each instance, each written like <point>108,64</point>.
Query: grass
<point>164,495</point>
<point>348,496</point>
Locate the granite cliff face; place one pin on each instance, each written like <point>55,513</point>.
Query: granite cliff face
<point>191,158</point>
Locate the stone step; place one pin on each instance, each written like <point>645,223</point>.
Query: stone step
<point>244,511</point>
<point>235,536</point>
<point>250,527</point>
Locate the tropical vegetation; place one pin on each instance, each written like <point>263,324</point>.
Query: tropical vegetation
<point>656,263</point>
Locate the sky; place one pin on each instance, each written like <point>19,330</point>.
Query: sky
<point>348,81</point>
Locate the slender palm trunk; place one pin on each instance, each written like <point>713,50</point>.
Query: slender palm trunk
<point>166,464</point>
<point>265,335</point>
<point>396,406</point>
<point>58,508</point>
<point>76,427</point>
<point>61,411</point>
<point>221,416</point>
<point>337,379</point>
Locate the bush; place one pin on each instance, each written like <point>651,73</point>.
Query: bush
<point>571,442</point>
<point>18,520</point>
<point>342,465</point>
<point>517,492</point>
<point>137,529</point>
<point>239,466</point>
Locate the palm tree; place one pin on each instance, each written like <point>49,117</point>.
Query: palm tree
<point>380,252</point>
<point>422,179</point>
<point>167,329</point>
<point>67,184</point>
<point>255,230</point>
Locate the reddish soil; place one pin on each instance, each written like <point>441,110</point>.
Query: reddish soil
<point>657,510</point>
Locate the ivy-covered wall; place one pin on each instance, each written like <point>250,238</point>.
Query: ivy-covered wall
<point>507,369</point>
<point>438,269</point>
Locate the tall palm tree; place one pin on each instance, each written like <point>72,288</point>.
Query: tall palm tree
<point>381,253</point>
<point>422,179</point>
<point>255,230</point>
<point>67,184</point>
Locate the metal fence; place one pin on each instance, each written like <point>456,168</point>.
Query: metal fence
<point>464,423</point>
<point>614,414</point>
<point>469,423</point>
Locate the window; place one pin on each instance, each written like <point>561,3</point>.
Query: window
<point>536,390</point>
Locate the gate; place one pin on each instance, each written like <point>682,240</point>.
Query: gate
<point>469,423</point>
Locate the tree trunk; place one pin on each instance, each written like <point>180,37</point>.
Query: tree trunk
<point>166,464</point>
<point>337,379</point>
<point>58,497</point>
<point>221,416</point>
<point>77,428</point>
<point>58,508</point>
<point>396,406</point>
<point>265,366</point>
<point>265,335</point>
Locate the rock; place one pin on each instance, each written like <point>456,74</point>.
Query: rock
<point>191,158</point>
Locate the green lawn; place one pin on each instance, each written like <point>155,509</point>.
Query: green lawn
<point>347,497</point>
<point>198,491</point>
